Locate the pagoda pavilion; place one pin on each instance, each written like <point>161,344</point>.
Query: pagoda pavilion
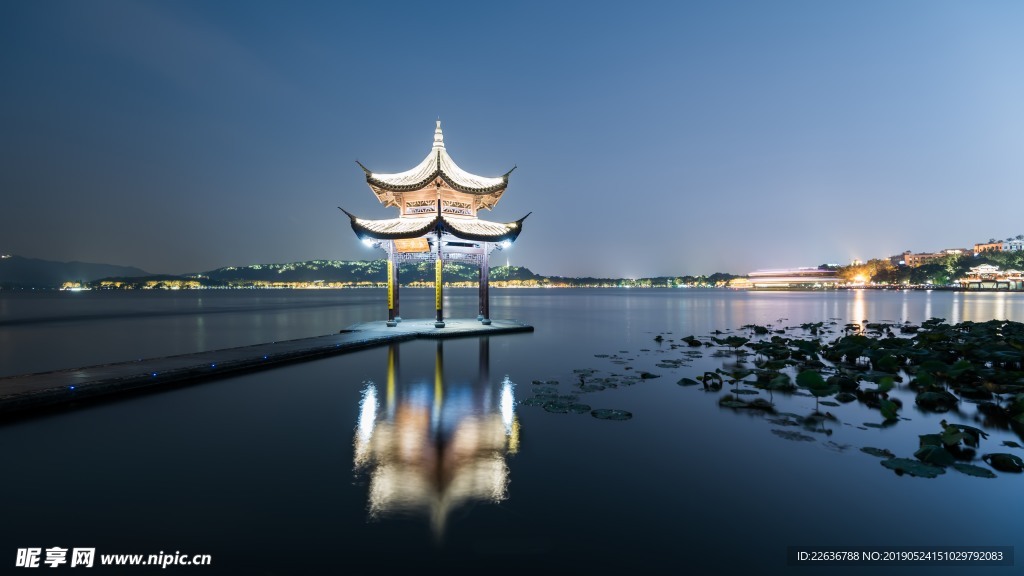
<point>437,203</point>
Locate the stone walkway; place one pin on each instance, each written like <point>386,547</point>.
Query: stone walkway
<point>64,387</point>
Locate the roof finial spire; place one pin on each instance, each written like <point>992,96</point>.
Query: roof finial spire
<point>438,136</point>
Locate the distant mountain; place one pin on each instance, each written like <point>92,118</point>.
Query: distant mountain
<point>354,271</point>
<point>18,271</point>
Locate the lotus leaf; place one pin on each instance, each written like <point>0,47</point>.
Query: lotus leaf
<point>810,379</point>
<point>913,467</point>
<point>936,400</point>
<point>780,382</point>
<point>791,435</point>
<point>877,377</point>
<point>1004,462</point>
<point>888,409</point>
<point>888,363</point>
<point>845,397</point>
<point>972,470</point>
<point>557,407</point>
<point>934,367</point>
<point>760,404</point>
<point>844,382</point>
<point>712,381</point>
<point>730,402</point>
<point>610,414</point>
<point>923,380</point>
<point>934,455</point>
<point>732,341</point>
<point>955,433</point>
<point>880,452</point>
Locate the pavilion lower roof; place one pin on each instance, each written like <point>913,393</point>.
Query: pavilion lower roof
<point>465,228</point>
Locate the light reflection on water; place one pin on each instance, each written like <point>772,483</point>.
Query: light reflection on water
<point>269,470</point>
<point>435,445</point>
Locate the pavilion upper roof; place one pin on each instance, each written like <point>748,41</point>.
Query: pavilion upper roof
<point>437,164</point>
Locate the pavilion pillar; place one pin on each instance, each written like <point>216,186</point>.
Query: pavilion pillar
<point>485,286</point>
<point>391,285</point>
<point>397,283</point>
<point>438,295</point>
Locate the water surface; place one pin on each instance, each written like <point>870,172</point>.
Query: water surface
<point>423,455</point>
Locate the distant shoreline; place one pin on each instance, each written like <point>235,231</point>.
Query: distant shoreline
<point>512,287</point>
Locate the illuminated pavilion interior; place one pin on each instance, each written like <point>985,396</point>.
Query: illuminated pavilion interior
<point>438,204</point>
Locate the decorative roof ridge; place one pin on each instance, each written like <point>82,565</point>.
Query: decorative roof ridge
<point>444,217</point>
<point>512,229</point>
<point>444,176</point>
<point>362,232</point>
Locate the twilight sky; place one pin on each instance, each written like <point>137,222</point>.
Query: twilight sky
<point>651,138</point>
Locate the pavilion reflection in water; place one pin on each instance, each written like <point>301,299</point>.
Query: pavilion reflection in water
<point>429,446</point>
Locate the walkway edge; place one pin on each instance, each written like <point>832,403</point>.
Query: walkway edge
<point>67,387</point>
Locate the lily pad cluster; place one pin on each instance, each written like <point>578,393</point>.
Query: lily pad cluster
<point>943,365</point>
<point>954,447</point>
<point>547,393</point>
<point>872,364</point>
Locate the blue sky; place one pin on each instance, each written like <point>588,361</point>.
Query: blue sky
<point>651,138</point>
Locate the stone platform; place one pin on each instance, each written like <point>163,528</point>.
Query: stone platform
<point>67,387</point>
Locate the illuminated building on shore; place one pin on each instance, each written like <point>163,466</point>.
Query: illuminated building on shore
<point>913,260</point>
<point>988,247</point>
<point>790,278</point>
<point>438,204</point>
<point>991,277</point>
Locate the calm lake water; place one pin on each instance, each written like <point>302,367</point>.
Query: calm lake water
<point>428,456</point>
